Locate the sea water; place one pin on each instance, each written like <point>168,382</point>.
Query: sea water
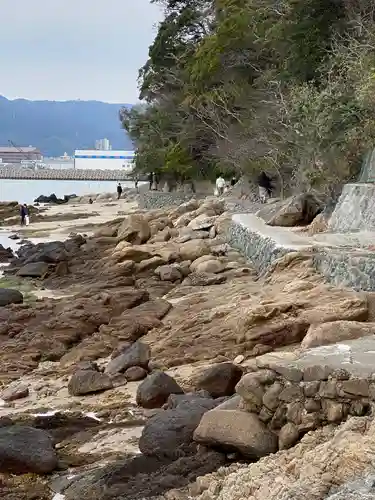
<point>25,191</point>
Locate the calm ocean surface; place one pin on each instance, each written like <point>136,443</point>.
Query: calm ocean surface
<point>25,191</point>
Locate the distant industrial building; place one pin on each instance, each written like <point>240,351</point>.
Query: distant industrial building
<point>103,145</point>
<point>92,159</point>
<point>19,154</point>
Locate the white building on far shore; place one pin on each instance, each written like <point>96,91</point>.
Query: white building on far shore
<point>92,159</point>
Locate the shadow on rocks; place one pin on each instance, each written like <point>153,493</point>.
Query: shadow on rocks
<point>142,477</point>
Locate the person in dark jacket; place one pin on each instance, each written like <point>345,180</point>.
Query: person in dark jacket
<point>265,187</point>
<point>23,214</point>
<point>150,180</point>
<point>119,191</point>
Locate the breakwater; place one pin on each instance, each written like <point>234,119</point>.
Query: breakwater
<point>64,174</point>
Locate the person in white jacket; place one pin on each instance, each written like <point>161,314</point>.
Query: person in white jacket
<point>220,185</point>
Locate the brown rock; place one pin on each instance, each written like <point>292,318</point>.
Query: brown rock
<point>291,393</point>
<point>134,229</point>
<point>15,391</point>
<point>271,397</point>
<point>336,331</point>
<point>135,373</point>
<point>334,411</point>
<point>288,436</point>
<point>238,430</point>
<point>168,273</point>
<point>194,249</point>
<point>150,264</point>
<point>210,266</point>
<point>355,387</point>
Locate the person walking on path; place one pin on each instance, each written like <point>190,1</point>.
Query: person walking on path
<point>119,190</point>
<point>220,185</point>
<point>265,187</point>
<point>150,180</point>
<point>27,217</point>
<point>23,215</point>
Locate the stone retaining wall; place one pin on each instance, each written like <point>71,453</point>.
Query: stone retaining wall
<point>351,268</point>
<point>158,199</point>
<point>355,209</point>
<point>296,401</point>
<point>260,243</point>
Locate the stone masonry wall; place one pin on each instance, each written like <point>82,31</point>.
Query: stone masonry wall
<point>355,209</point>
<point>261,244</point>
<point>351,268</point>
<point>292,401</point>
<point>158,199</point>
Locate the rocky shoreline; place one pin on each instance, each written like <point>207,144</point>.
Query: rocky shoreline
<point>159,364</point>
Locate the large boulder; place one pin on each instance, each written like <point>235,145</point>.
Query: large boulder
<point>51,252</point>
<point>33,270</point>
<point>88,381</point>
<point>137,355</point>
<point>15,391</point>
<point>134,229</point>
<point>298,210</point>
<point>155,390</point>
<point>135,373</point>
<point>192,250</point>
<point>10,296</point>
<point>26,450</point>
<point>5,254</point>
<point>220,380</point>
<point>336,331</point>
<point>202,222</point>
<point>210,266</point>
<point>236,430</point>
<point>168,273</point>
<point>170,433</point>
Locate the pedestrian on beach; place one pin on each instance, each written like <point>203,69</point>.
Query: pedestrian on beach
<point>220,185</point>
<point>265,187</point>
<point>119,190</point>
<point>27,217</point>
<point>22,214</point>
<point>136,183</point>
<point>150,180</point>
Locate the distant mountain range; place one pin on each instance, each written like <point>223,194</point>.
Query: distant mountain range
<point>57,127</point>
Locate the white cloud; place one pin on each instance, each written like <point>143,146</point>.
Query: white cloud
<point>69,49</point>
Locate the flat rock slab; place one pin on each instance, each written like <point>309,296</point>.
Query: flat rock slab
<point>357,357</point>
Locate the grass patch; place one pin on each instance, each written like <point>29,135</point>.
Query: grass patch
<point>22,286</point>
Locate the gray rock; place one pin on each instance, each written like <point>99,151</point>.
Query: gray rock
<point>33,270</point>
<point>220,380</point>
<point>26,450</point>
<point>15,391</point>
<point>9,296</point>
<point>297,210</point>
<point>87,382</point>
<point>234,430</point>
<point>137,355</point>
<point>232,403</point>
<point>359,489</point>
<point>170,432</point>
<point>203,279</point>
<point>135,373</point>
<point>155,390</point>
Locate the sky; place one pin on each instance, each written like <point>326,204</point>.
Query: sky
<point>74,49</point>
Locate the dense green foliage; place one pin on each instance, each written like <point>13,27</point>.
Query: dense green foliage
<point>59,127</point>
<point>244,85</point>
